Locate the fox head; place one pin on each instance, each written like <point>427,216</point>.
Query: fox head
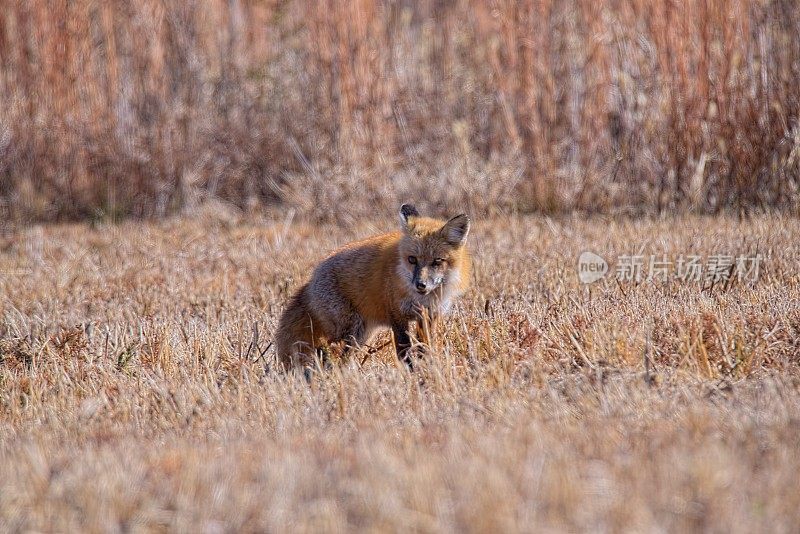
<point>431,250</point>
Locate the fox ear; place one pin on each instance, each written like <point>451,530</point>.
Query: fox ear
<point>455,230</point>
<point>406,212</point>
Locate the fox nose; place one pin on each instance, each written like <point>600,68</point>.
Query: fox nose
<point>421,285</point>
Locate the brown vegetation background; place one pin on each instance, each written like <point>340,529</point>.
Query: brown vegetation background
<point>145,108</point>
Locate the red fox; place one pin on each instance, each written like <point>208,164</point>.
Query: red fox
<point>388,280</point>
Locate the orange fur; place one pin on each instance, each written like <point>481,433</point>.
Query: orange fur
<point>373,283</point>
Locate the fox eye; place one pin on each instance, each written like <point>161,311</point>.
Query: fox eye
<point>437,262</point>
<point>412,260</point>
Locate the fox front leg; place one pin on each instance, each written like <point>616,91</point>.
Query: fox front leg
<point>402,344</point>
<point>424,330</point>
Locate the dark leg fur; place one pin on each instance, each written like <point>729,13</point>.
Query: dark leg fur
<point>402,344</point>
<point>353,334</point>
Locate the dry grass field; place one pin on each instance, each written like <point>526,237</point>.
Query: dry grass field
<point>134,395</point>
<point>170,172</point>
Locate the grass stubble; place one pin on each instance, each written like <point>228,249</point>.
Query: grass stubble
<point>135,393</point>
